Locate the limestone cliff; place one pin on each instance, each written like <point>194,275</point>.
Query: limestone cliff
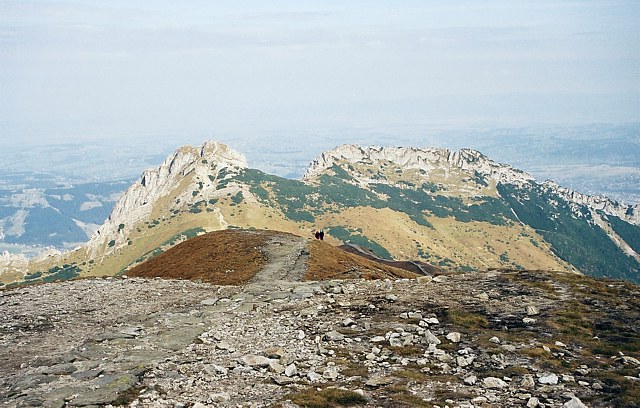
<point>180,174</point>
<point>426,159</point>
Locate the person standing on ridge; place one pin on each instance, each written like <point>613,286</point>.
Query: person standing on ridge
<point>321,235</point>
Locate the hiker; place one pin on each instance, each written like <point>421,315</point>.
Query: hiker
<point>317,234</point>
<point>321,235</point>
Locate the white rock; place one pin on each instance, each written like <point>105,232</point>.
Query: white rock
<point>454,337</point>
<point>432,320</point>
<point>291,370</point>
<point>493,382</point>
<point>574,403</point>
<point>532,310</point>
<point>219,397</point>
<point>548,378</point>
<point>529,320</point>
<point>630,360</point>
<point>431,338</point>
<point>471,380</point>
<point>377,339</point>
<point>333,336</point>
<point>533,402</point>
<point>414,315</point>
<point>313,376</point>
<point>464,361</point>
<point>494,339</point>
<point>301,334</point>
<point>560,344</point>
<point>391,297</point>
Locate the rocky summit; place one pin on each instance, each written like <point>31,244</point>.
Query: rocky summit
<point>280,338</point>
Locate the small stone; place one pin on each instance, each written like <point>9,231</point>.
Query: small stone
<point>432,320</point>
<point>223,345</point>
<point>391,297</point>
<point>574,403</point>
<point>528,320</point>
<point>379,381</point>
<point>219,397</point>
<point>330,373</point>
<point>276,367</point>
<point>630,360</point>
<point>333,336</point>
<point>348,322</point>
<point>301,334</point>
<point>454,337</point>
<point>482,296</point>
<point>431,338</point>
<point>440,279</point>
<point>313,376</point>
<point>493,382</point>
<point>533,402</point>
<point>414,315</point>
<point>494,339</point>
<point>560,344</point>
<point>596,386</point>
<point>370,357</point>
<point>209,302</point>
<point>291,370</point>
<point>256,361</point>
<point>199,405</point>
<point>546,348</point>
<point>471,380</point>
<point>464,361</point>
<point>532,311</point>
<point>220,369</point>
<point>568,378</point>
<point>548,378</point>
<point>377,339</point>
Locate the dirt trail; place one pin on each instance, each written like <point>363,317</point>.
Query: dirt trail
<point>288,255</point>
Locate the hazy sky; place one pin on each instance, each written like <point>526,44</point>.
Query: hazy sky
<point>139,69</point>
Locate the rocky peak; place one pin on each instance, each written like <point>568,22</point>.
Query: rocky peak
<point>419,158</point>
<point>629,213</point>
<point>137,203</point>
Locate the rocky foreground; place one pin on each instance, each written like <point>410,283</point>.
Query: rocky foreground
<point>494,339</point>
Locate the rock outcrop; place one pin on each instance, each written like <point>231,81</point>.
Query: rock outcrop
<point>425,159</point>
<point>178,174</point>
<point>428,159</point>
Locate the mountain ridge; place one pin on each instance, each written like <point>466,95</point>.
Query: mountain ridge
<point>456,209</point>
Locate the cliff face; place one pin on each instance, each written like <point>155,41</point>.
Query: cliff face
<point>186,170</point>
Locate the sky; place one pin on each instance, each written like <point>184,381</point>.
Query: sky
<point>141,70</point>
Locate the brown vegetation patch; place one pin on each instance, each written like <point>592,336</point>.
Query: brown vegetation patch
<point>326,398</point>
<point>228,257</point>
<point>329,262</point>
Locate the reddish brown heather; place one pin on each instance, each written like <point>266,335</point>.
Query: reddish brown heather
<point>233,257</point>
<point>228,257</point>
